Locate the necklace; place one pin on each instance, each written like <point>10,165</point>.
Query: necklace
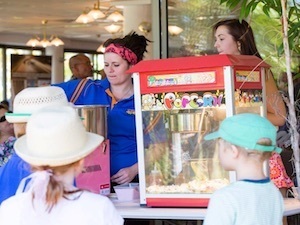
<point>123,96</point>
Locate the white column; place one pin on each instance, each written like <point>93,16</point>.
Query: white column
<point>57,67</point>
<point>134,15</point>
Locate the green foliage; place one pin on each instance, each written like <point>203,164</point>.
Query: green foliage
<point>247,7</point>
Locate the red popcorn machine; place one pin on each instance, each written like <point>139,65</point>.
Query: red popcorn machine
<point>177,102</point>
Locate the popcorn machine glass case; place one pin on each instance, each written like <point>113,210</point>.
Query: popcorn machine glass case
<point>177,102</point>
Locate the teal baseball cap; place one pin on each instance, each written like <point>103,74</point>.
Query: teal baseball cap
<point>245,130</point>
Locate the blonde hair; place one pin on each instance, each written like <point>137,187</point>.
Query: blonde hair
<point>55,187</point>
<point>252,152</point>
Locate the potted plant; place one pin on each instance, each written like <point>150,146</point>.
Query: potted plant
<point>289,16</point>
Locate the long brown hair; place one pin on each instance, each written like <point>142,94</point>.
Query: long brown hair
<point>242,33</point>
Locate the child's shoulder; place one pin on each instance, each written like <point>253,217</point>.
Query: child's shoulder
<point>93,197</point>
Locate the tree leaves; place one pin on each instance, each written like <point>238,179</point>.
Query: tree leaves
<point>248,6</point>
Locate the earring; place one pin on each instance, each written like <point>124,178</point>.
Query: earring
<point>239,46</point>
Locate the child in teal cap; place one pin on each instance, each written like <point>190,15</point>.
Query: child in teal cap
<point>245,142</point>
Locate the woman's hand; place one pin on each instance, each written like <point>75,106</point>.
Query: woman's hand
<point>125,175</point>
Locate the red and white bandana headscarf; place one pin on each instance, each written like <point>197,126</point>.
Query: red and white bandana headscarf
<point>124,52</point>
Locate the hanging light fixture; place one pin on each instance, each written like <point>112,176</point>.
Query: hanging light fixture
<point>53,40</point>
<point>113,28</point>
<point>84,18</point>
<point>101,48</point>
<point>57,41</point>
<point>174,30</point>
<point>96,12</point>
<point>33,42</point>
<point>116,16</point>
<point>145,27</point>
<point>44,42</point>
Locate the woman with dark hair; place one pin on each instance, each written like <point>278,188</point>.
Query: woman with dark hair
<point>116,91</point>
<point>235,37</point>
<point>242,34</point>
<point>135,43</point>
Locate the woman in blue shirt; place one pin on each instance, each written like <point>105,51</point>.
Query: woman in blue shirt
<point>116,90</point>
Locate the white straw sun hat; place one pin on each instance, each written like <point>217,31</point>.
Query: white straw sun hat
<point>32,99</point>
<point>55,136</point>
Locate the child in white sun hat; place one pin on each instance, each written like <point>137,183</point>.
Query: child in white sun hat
<point>31,99</point>
<point>54,145</point>
<point>25,103</point>
<point>245,142</point>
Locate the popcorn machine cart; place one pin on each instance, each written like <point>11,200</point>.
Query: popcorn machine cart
<point>177,102</point>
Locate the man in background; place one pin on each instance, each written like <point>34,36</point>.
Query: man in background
<point>80,66</point>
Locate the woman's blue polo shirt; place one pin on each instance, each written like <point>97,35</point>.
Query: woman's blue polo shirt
<point>120,120</point>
